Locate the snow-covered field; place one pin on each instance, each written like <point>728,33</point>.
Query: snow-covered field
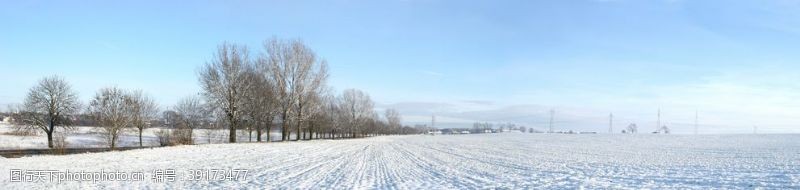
<point>516,161</point>
<point>90,137</point>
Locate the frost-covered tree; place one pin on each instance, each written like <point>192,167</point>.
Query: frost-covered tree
<point>261,106</point>
<point>191,113</point>
<point>393,120</point>
<point>224,81</point>
<point>111,109</point>
<point>144,110</point>
<point>298,75</point>
<point>332,115</point>
<point>359,110</point>
<point>48,106</point>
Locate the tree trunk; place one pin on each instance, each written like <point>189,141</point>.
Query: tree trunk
<point>191,135</point>
<point>140,136</point>
<point>113,141</point>
<point>284,134</point>
<point>269,130</point>
<point>258,133</point>
<point>50,139</point>
<point>311,132</point>
<point>297,136</point>
<point>232,135</point>
<point>50,134</point>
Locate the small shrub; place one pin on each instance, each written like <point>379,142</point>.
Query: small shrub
<point>164,137</point>
<point>182,136</point>
<point>59,144</point>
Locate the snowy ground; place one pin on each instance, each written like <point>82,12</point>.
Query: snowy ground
<point>517,161</point>
<point>90,137</point>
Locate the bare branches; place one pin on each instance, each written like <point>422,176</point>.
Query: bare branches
<point>48,105</point>
<point>111,109</point>
<point>143,110</point>
<point>298,77</point>
<point>359,109</point>
<point>224,82</point>
<point>192,113</point>
<point>287,82</point>
<point>393,119</point>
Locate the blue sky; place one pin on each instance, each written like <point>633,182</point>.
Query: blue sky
<point>735,62</point>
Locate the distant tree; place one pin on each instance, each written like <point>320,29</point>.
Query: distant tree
<point>632,128</point>
<point>224,82</point>
<point>394,120</point>
<point>358,107</point>
<point>48,106</point>
<point>192,113</point>
<point>334,115</point>
<point>143,111</point>
<point>111,109</point>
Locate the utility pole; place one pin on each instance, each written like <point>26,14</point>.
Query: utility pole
<point>610,123</point>
<point>552,114</point>
<point>755,129</point>
<point>695,122</point>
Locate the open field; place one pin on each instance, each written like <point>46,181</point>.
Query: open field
<point>456,162</point>
<point>90,137</point>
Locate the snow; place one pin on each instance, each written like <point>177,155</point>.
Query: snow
<point>477,161</point>
<point>90,137</point>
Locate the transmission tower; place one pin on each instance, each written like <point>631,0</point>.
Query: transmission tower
<point>552,115</point>
<point>658,122</point>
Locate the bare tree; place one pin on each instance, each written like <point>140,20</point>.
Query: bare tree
<point>143,111</point>
<point>224,81</point>
<point>111,109</point>
<point>358,107</point>
<point>333,114</point>
<point>393,120</point>
<point>47,106</point>
<point>309,95</point>
<point>192,113</point>
<point>632,128</point>
<point>297,75</point>
<point>262,102</point>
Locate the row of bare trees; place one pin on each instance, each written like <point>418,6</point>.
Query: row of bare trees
<point>52,104</point>
<point>285,86</point>
<point>282,89</point>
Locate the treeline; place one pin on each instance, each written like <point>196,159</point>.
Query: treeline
<point>283,88</point>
